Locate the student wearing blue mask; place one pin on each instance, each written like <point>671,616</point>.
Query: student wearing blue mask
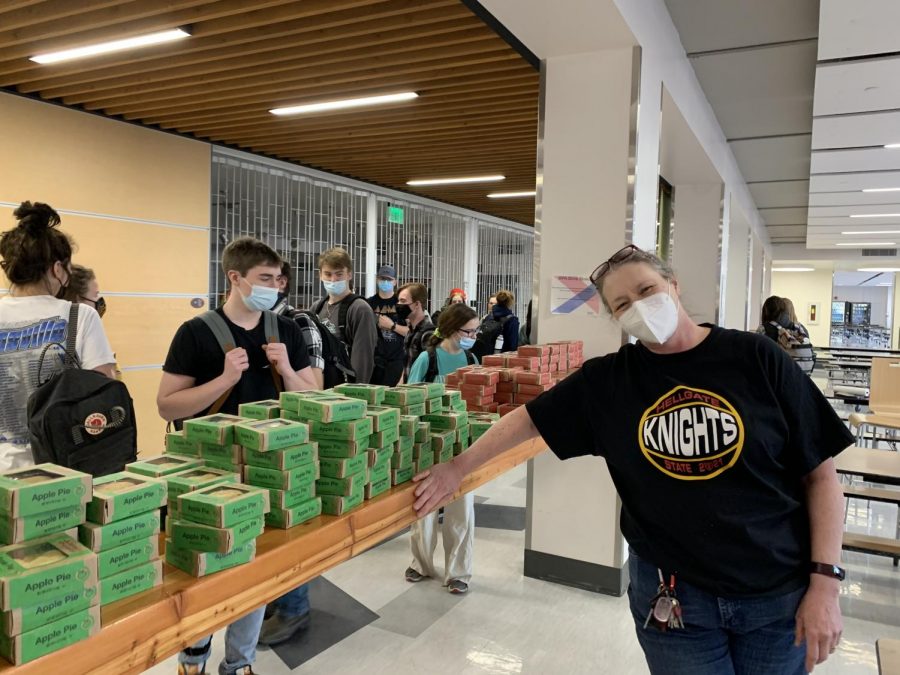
<point>198,376</point>
<point>448,350</point>
<point>392,331</point>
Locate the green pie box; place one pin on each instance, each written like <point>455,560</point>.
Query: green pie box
<point>408,425</point>
<point>24,619</point>
<point>402,460</point>
<point>104,537</point>
<point>172,509</point>
<point>290,400</point>
<point>200,564</point>
<point>332,408</point>
<point>404,396</point>
<point>330,447</point>
<point>446,421</point>
<point>286,499</point>
<point>164,465</point>
<point>332,467</point>
<point>35,571</point>
<point>17,530</point>
<point>281,480</point>
<point>284,459</point>
<point>483,417</point>
<point>434,405</point>
<point>131,581</point>
<point>198,478</point>
<point>50,637</point>
<point>178,444</point>
<point>215,429</point>
<point>335,505</point>
<point>295,515</point>
<point>379,471</point>
<point>383,417</point>
<point>224,505</point>
<point>451,396</point>
<point>382,438</point>
<point>442,439</point>
<point>349,430</point>
<point>260,410</point>
<point>269,435</point>
<point>459,406</point>
<point>420,449</point>
<point>41,488</point>
<point>445,455</point>
<point>378,487</point>
<point>229,454</point>
<point>124,494</point>
<point>370,393</point>
<point>400,476</point>
<point>431,389</point>
<point>291,416</point>
<point>423,432</point>
<point>424,462</point>
<point>126,556</point>
<point>415,410</point>
<point>199,537</point>
<point>228,467</point>
<point>379,455</point>
<point>404,443</point>
<point>462,434</point>
<point>342,487</point>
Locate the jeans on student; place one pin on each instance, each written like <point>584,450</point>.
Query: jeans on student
<point>722,636</point>
<point>240,644</point>
<point>295,602</point>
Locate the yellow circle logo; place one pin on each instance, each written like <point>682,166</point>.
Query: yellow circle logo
<point>691,434</point>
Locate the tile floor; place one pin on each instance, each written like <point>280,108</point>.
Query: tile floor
<point>511,624</point>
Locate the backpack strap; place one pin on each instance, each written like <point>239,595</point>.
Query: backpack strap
<point>270,325</point>
<point>432,371</point>
<point>470,358</point>
<point>225,339</point>
<point>71,358</point>
<point>343,310</point>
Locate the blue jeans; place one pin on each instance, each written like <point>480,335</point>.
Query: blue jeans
<point>722,636</point>
<point>240,644</point>
<point>295,602</point>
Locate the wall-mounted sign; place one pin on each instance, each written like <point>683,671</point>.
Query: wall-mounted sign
<point>395,214</point>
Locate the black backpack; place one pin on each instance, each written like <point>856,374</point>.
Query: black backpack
<point>338,368</point>
<point>488,332</point>
<point>81,419</point>
<point>432,371</point>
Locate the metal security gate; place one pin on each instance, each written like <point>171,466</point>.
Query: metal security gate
<point>505,262</point>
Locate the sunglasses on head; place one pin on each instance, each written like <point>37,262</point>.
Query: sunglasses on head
<point>619,256</point>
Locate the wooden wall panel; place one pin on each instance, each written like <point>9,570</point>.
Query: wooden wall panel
<point>83,162</point>
<point>143,385</point>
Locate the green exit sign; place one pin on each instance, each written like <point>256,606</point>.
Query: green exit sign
<point>395,214</point>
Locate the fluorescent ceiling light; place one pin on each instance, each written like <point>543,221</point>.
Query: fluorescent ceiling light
<point>892,146</point>
<point>866,244</point>
<point>114,46</point>
<point>345,103</point>
<point>453,181</point>
<point>878,269</point>
<point>793,269</point>
<point>888,284</point>
<point>896,189</point>
<point>875,215</point>
<point>872,232</point>
<point>510,195</point>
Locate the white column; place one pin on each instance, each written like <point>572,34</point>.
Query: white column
<point>470,270</point>
<point>735,252</point>
<point>371,243</point>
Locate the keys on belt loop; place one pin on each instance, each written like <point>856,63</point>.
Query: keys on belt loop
<point>665,610</point>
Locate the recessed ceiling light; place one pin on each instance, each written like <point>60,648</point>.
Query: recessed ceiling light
<point>892,146</point>
<point>872,232</point>
<point>878,269</point>
<point>866,244</point>
<point>510,195</point>
<point>875,215</point>
<point>345,103</point>
<point>453,181</point>
<point>113,46</point>
<point>896,189</point>
<point>793,269</point>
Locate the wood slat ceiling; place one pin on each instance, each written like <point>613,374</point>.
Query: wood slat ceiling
<point>476,112</point>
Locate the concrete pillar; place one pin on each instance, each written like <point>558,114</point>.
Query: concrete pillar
<point>734,305</point>
<point>695,253</point>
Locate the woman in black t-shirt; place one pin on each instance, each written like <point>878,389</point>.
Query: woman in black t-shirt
<point>721,451</point>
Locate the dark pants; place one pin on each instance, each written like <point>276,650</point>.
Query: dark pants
<point>388,373</point>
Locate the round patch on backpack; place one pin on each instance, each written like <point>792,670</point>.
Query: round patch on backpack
<point>95,423</point>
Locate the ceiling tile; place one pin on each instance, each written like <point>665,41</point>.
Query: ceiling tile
<point>857,86</point>
<point>856,131</point>
<point>783,216</point>
<point>846,161</point>
<point>844,182</point>
<point>769,159</point>
<point>858,28</point>
<point>781,194</point>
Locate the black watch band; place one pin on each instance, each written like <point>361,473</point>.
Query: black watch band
<point>827,570</point>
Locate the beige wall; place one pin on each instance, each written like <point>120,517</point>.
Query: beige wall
<point>803,288</point>
<point>136,201</point>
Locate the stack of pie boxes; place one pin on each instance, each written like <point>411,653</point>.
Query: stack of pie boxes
<point>49,595</point>
<point>213,520</point>
<point>341,430</point>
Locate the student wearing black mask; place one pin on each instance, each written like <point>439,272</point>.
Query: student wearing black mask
<point>411,312</point>
<point>84,288</point>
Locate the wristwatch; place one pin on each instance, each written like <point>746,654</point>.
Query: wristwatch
<point>827,570</point>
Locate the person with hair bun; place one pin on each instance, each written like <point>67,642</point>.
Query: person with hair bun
<point>448,350</point>
<point>36,258</point>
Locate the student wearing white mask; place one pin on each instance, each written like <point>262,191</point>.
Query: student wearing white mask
<point>721,451</point>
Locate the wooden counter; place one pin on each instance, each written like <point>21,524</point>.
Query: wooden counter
<point>149,627</point>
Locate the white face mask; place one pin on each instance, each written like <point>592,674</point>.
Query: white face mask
<point>652,320</point>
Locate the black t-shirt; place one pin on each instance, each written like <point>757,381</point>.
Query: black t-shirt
<point>708,449</point>
<point>390,343</point>
<point>195,352</point>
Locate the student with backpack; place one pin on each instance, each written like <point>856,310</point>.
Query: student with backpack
<point>501,322</point>
<point>391,331</point>
<point>308,327</point>
<point>411,312</point>
<point>205,373</point>
<point>448,350</point>
<point>347,317</point>
<point>35,322</point>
